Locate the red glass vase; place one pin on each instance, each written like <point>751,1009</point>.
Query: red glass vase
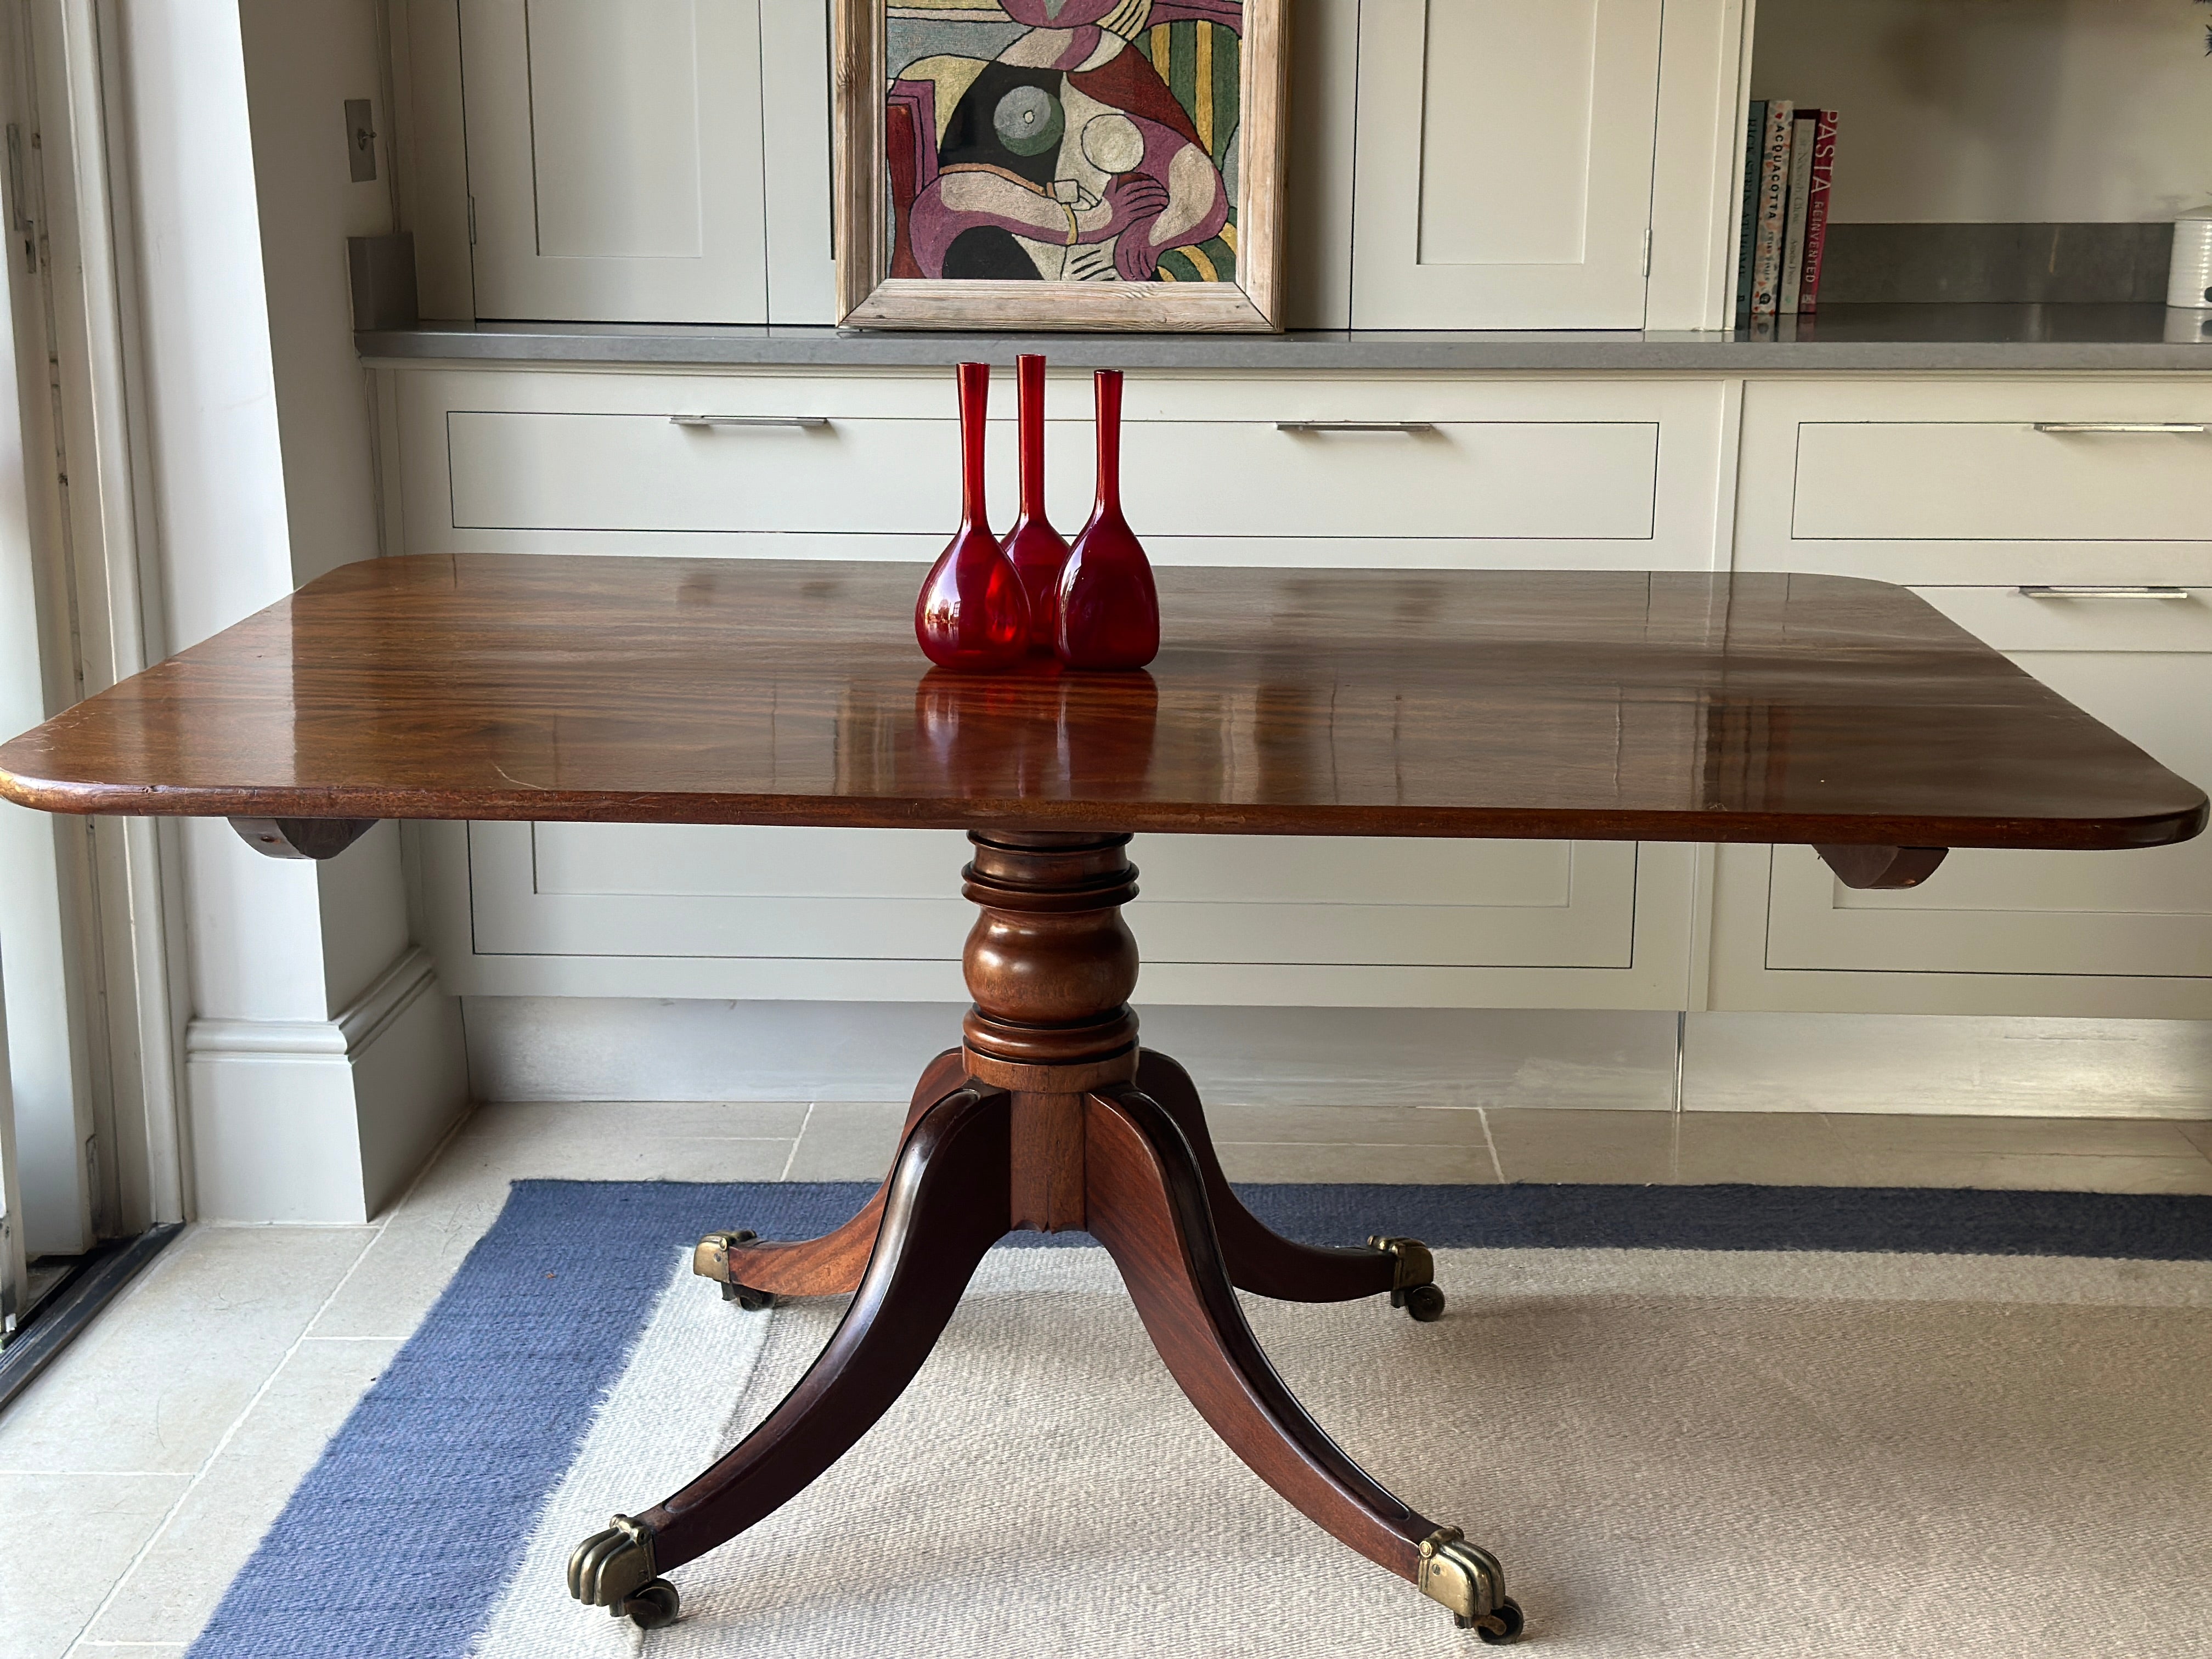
<point>971,616</point>
<point>1109,610</point>
<point>1038,551</point>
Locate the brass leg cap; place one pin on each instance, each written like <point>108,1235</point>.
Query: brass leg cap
<point>1467,1580</point>
<point>1412,1277</point>
<point>610,1567</point>
<point>713,1258</point>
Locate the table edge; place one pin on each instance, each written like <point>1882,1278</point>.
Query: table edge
<point>2159,828</point>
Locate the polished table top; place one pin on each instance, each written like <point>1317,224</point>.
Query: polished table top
<point>1451,703</point>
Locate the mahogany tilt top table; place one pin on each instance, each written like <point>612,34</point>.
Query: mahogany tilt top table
<point>1842,714</point>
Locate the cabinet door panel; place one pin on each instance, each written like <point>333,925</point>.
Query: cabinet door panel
<point>614,156</point>
<point>1503,173</point>
<point>2133,913</point>
<point>891,895</point>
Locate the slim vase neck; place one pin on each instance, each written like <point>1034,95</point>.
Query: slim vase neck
<point>975,407</point>
<point>1109,442</point>
<point>1031,410</point>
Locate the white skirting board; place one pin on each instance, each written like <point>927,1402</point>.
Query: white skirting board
<point>617,1049</point>
<point>325,1121</point>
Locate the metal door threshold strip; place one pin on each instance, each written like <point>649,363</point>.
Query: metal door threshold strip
<point>68,1308</point>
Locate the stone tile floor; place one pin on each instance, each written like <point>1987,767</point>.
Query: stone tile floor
<point>136,1474</point>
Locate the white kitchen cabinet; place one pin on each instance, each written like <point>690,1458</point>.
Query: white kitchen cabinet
<point>892,896</point>
<point>614,156</point>
<point>1971,491</point>
<point>1228,470</point>
<point>1492,163</point>
<point>2000,932</point>
<point>705,910</point>
<point>1955,489</point>
<point>1593,480</point>
<point>1978,481</point>
<point>1503,169</point>
<point>1505,472</point>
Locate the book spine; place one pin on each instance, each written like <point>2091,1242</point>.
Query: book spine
<point>1816,209</point>
<point>1793,234</point>
<point>1754,133</point>
<point>1773,205</point>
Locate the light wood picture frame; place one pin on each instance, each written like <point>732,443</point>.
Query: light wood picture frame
<point>1140,193</point>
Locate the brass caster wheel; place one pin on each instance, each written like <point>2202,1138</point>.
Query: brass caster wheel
<point>1425,1302</point>
<point>1467,1580</point>
<point>711,1260</point>
<point>1413,1277</point>
<point>651,1605</point>
<point>1504,1624</point>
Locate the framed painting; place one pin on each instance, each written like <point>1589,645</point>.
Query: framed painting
<point>1077,164</point>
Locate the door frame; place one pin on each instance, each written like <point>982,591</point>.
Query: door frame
<point>88,530</point>
<point>14,1279</point>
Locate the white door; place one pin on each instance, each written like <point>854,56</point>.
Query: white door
<point>614,156</point>
<point>1503,173</point>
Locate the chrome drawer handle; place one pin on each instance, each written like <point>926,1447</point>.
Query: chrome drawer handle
<point>1406,427</point>
<point>2120,426</point>
<point>2044,592</point>
<point>748,420</point>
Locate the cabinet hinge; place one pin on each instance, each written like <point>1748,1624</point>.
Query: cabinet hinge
<point>1647,249</point>
<point>472,219</point>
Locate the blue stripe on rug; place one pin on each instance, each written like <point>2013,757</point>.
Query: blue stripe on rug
<point>2140,1227</point>
<point>404,1535</point>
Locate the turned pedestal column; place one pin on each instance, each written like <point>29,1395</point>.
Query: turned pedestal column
<point>1050,964</point>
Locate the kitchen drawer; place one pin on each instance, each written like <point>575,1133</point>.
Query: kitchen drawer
<point>2144,667</point>
<point>1565,480</point>
<point>1284,471</point>
<point>2015,481</point>
<point>890,895</point>
<point>2081,616</point>
<point>1982,482</point>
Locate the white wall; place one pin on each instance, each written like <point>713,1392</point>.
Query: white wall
<point>2001,112</point>
<point>264,479</point>
<point>302,62</point>
<point>220,508</point>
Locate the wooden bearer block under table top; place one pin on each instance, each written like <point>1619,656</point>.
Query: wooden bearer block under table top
<point>1844,714</point>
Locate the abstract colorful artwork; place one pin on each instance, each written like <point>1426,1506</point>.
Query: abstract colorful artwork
<point>1086,141</point>
<point>1093,144</point>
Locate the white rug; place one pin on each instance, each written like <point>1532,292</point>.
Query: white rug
<point>1671,1452</point>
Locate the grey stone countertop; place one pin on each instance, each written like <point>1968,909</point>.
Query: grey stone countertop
<point>1911,338</point>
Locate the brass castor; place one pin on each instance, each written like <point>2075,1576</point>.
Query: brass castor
<point>1503,1625</point>
<point>1467,1580</point>
<point>653,1605</point>
<point>1412,1284</point>
<point>1425,1302</point>
<point>711,1260</point>
<point>610,1567</point>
